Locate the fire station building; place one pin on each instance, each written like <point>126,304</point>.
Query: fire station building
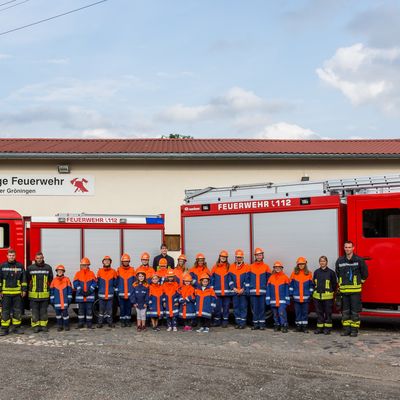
<point>43,177</point>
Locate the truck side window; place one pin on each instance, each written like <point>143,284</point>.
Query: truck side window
<point>4,236</point>
<point>381,223</point>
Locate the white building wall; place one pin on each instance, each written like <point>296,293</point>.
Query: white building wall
<point>152,187</point>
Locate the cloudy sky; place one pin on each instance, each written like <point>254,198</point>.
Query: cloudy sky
<point>211,68</point>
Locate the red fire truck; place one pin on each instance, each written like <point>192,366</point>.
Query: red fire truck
<point>305,219</point>
<point>66,238</point>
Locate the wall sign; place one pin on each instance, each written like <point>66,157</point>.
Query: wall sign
<point>46,185</point>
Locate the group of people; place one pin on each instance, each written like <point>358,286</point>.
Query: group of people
<point>199,296</point>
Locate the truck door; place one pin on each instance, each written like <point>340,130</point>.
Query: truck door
<point>374,227</point>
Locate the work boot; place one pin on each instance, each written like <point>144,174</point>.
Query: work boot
<point>354,332</point>
<point>346,331</point>
<point>318,331</point>
<point>44,329</point>
<point>327,331</point>
<point>36,329</point>
<point>277,328</point>
<point>17,330</point>
<point>4,332</point>
<point>284,329</point>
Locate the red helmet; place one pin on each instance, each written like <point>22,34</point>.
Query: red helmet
<point>163,262</point>
<point>85,261</point>
<point>301,260</point>
<point>239,253</point>
<point>223,253</point>
<point>145,256</point>
<point>61,267</point>
<point>200,256</point>
<point>182,257</point>
<point>187,277</point>
<point>278,264</point>
<point>125,257</point>
<point>258,250</point>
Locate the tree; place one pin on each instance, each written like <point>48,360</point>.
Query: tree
<point>176,136</point>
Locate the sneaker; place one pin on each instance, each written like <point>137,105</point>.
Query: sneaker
<point>284,329</point>
<point>99,326</point>
<point>80,326</point>
<point>242,326</point>
<point>200,330</point>
<point>139,328</point>
<point>224,324</point>
<point>189,329</point>
<point>255,327</point>
<point>305,328</point>
<point>155,329</point>
<point>318,331</point>
<point>59,329</point>
<point>237,326</point>
<point>169,329</point>
<point>175,329</point>
<point>262,328</point>
<point>128,324</point>
<point>206,330</point>
<point>298,328</point>
<point>111,325</point>
<point>67,328</point>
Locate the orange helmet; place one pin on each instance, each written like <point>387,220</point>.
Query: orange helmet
<point>258,250</point>
<point>182,257</point>
<point>155,274</point>
<point>223,253</point>
<point>140,271</point>
<point>200,255</point>
<point>125,257</point>
<point>239,253</point>
<point>187,277</point>
<point>204,276</point>
<point>171,272</point>
<point>301,260</point>
<point>145,256</point>
<point>60,267</point>
<point>278,264</point>
<point>163,262</point>
<point>85,261</point>
<point>107,258</point>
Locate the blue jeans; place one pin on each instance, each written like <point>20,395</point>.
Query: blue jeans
<point>240,304</point>
<point>258,309</point>
<point>280,315</point>
<point>301,311</point>
<point>85,313</point>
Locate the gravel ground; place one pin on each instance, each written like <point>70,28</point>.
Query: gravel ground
<point>121,363</point>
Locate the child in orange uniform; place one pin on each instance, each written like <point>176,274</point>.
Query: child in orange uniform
<point>301,289</point>
<point>155,309</point>
<point>277,296</point>
<point>187,309</point>
<point>206,301</point>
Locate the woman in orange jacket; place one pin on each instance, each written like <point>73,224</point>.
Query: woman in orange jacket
<point>199,268</point>
<point>180,269</point>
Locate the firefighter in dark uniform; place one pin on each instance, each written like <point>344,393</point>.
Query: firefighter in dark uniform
<point>39,277</point>
<point>352,273</point>
<point>13,288</point>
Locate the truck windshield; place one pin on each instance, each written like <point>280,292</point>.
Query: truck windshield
<point>381,223</point>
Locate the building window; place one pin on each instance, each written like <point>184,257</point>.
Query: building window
<point>381,223</point>
<point>173,242</point>
<point>4,236</point>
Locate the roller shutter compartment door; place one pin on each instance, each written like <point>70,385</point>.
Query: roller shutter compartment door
<point>137,241</point>
<point>102,242</point>
<point>62,246</point>
<point>211,234</point>
<point>287,235</point>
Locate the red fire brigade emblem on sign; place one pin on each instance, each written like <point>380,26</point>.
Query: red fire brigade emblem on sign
<point>79,185</point>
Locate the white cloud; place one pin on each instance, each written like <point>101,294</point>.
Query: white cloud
<point>364,74</point>
<point>234,103</point>
<point>284,130</point>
